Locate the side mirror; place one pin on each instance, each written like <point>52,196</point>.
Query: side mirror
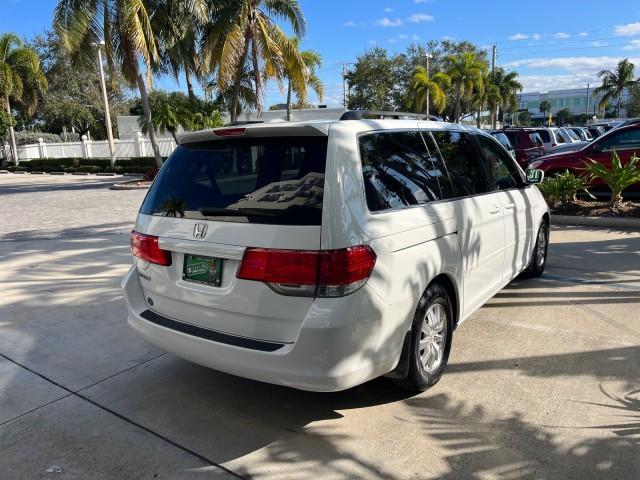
<point>534,176</point>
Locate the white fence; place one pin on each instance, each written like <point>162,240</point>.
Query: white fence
<point>135,147</point>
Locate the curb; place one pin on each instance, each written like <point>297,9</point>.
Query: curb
<point>607,222</point>
<point>118,186</point>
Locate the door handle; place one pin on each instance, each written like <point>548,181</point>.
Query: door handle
<point>494,210</point>
<point>510,206</point>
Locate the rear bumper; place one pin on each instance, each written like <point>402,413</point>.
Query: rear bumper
<point>342,343</point>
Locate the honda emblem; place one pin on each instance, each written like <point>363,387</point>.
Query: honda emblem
<point>199,230</point>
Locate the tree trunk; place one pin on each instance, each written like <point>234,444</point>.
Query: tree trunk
<point>12,133</point>
<point>479,117</point>
<point>256,74</point>
<point>235,93</point>
<point>192,95</point>
<point>289,102</point>
<point>151,128</point>
<point>458,100</point>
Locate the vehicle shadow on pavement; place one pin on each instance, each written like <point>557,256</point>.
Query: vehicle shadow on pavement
<point>83,184</point>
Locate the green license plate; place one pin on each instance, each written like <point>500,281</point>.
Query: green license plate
<point>201,269</point>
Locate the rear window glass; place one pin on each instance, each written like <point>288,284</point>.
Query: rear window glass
<point>276,180</point>
<point>502,138</point>
<point>544,135</point>
<point>535,139</point>
<point>398,170</point>
<point>513,138</point>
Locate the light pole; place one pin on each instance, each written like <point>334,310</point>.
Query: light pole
<point>107,112</point>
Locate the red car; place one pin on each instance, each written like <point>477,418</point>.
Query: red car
<point>624,140</point>
<point>527,144</point>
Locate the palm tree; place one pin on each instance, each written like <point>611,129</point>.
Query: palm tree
<point>435,85</point>
<point>21,79</point>
<point>545,107</point>
<point>509,86</point>
<point>298,81</point>
<point>242,33</point>
<point>179,38</point>
<point>128,32</point>
<point>169,112</point>
<point>465,71</point>
<point>488,95</point>
<point>614,84</point>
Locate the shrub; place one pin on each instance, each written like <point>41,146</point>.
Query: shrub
<point>70,169</point>
<point>89,169</point>
<point>27,138</point>
<point>100,162</point>
<point>562,188</point>
<point>618,178</point>
<point>114,169</point>
<point>22,168</point>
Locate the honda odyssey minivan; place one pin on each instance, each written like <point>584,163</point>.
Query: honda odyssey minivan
<point>320,255</point>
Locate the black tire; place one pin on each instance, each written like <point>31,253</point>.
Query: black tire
<point>421,376</point>
<point>539,256</point>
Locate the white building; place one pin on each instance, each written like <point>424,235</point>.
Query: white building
<point>577,100</point>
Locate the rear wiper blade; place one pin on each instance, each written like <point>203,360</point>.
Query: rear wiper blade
<point>233,212</point>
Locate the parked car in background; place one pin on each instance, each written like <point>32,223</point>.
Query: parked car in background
<point>624,140</point>
<point>583,133</point>
<point>501,137</point>
<point>596,130</point>
<point>552,137</point>
<point>526,143</point>
<point>320,255</point>
<point>570,135</point>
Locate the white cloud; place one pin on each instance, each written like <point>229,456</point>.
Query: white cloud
<point>415,38</point>
<point>634,45</point>
<point>373,42</point>
<point>421,1</point>
<point>544,83</point>
<point>388,9</point>
<point>598,44</point>
<point>420,17</point>
<point>525,36</point>
<point>583,34</point>
<point>389,22</point>
<point>398,38</point>
<point>628,30</point>
<point>350,23</point>
<point>562,35</point>
<point>570,64</point>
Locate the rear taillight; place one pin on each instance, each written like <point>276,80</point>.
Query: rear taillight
<point>145,247</point>
<point>319,273</point>
<point>229,132</point>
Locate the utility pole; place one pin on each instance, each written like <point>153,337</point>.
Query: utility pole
<point>344,85</point>
<point>587,109</point>
<point>494,122</point>
<point>107,112</point>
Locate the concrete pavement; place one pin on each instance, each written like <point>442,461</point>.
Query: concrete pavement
<point>543,382</point>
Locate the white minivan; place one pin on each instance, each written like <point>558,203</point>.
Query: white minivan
<point>320,255</point>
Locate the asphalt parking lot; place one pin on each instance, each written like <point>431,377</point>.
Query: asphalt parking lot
<point>543,382</point>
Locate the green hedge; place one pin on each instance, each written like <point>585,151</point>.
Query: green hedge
<point>89,168</point>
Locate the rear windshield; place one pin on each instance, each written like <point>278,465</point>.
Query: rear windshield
<point>502,138</point>
<point>513,138</point>
<point>544,135</point>
<point>535,139</point>
<point>276,180</point>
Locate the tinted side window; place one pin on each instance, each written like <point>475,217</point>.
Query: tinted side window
<point>462,162</point>
<point>397,170</point>
<point>622,141</point>
<point>504,173</point>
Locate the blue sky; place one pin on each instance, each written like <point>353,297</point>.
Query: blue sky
<point>552,44</point>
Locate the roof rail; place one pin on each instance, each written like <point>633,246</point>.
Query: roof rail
<point>362,114</point>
